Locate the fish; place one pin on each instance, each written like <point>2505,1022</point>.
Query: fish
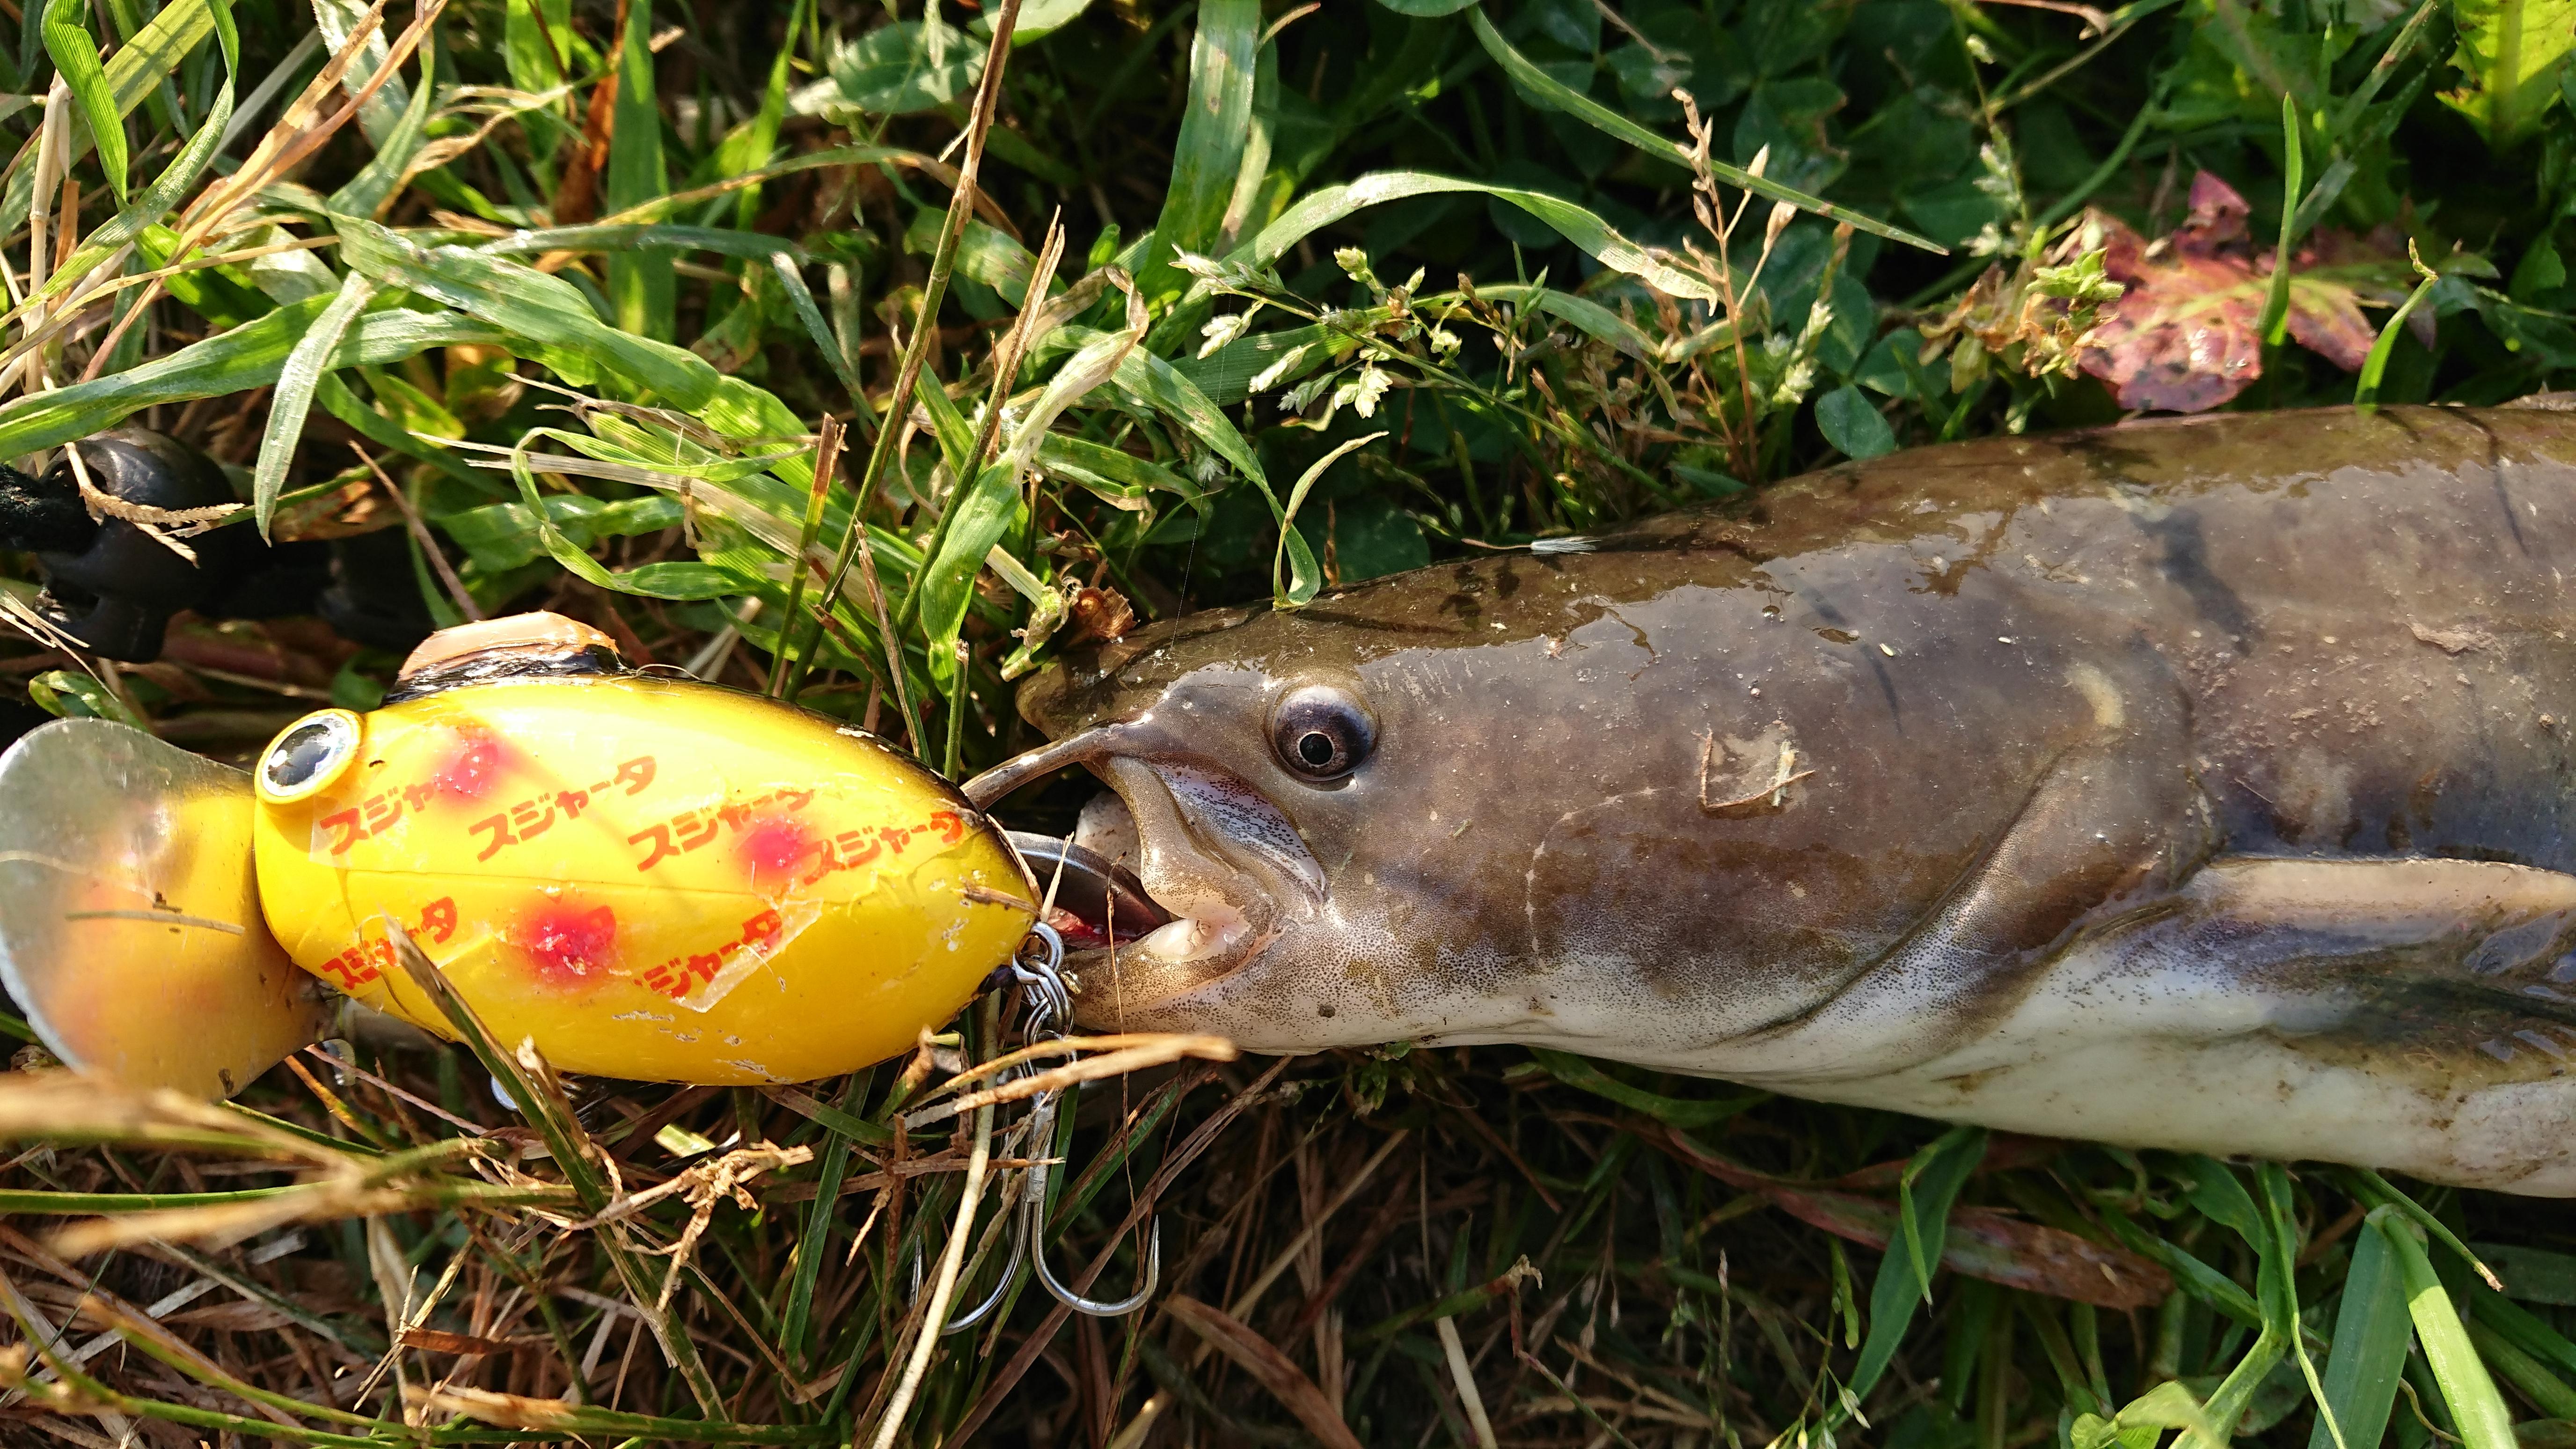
<point>647,877</point>
<point>2198,784</point>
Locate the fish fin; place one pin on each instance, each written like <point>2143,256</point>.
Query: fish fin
<point>130,925</point>
<point>2417,1014</point>
<point>2116,817</point>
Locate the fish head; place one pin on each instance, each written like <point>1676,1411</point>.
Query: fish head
<point>1275,782</point>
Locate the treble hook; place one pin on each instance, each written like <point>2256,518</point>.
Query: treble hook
<point>1019,1232</point>
<point>1034,1235</point>
<point>1001,1287</point>
<point>1048,1003</point>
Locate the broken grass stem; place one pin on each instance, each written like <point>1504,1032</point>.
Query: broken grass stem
<point>827,463</point>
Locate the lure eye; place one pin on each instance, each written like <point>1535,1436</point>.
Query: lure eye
<point>1322,731</point>
<point>313,752</point>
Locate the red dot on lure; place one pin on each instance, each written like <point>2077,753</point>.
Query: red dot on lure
<point>567,941</point>
<point>472,765</point>
<point>773,846</point>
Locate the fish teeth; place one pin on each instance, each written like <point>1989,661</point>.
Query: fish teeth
<point>1174,941</point>
<point>1187,939</point>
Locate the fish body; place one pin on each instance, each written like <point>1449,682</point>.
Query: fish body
<point>2199,784</point>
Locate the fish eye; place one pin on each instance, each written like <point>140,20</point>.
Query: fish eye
<point>1321,731</point>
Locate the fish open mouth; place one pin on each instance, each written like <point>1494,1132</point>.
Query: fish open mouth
<point>1174,880</point>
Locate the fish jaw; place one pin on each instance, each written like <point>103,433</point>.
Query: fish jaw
<point>1216,855</point>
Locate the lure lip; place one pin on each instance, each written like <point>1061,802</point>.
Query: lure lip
<point>1104,897</point>
<point>131,931</point>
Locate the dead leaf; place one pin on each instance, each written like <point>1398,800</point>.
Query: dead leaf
<point>1979,1242</point>
<point>439,1340</point>
<point>1100,613</point>
<point>242,1317</point>
<point>1272,1369</point>
<point>510,1411</point>
<point>2182,337</point>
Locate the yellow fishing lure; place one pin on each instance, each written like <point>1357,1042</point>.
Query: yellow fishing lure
<point>649,877</point>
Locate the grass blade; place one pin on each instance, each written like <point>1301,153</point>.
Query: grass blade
<point>1209,149</point>
<point>1577,224</point>
<point>540,1100</point>
<point>373,188</point>
<point>542,309</point>
<point>1304,579</point>
<point>338,20</point>
<point>137,68</point>
<point>662,580</point>
<point>2377,1190</point>
<point>641,284</point>
<point>249,356</point>
<point>783,262</point>
<point>1689,1115</point>
<point>2479,1411</point>
<point>2274,325</point>
<point>1935,1176</point>
<point>75,55</point>
<point>296,380</point>
<point>2524,1372</point>
<point>2517,1326</point>
<point>628,236</point>
<point>1556,93</point>
<point>2365,392</point>
<point>821,1216</point>
<point>156,200</point>
<point>2279,1282</point>
<point>961,203</point>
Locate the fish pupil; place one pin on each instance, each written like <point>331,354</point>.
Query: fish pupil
<point>1316,748</point>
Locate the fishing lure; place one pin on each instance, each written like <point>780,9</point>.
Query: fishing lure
<point>650,877</point>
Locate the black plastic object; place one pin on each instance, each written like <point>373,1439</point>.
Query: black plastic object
<point>18,715</point>
<point>108,584</point>
<point>374,592</point>
<point>113,588</point>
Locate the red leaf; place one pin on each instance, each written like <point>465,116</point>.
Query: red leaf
<point>2182,338</point>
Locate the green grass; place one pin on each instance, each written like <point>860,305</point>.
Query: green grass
<point>1336,292</point>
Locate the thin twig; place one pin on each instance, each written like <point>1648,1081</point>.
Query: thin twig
<point>429,548</point>
<point>827,464</point>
